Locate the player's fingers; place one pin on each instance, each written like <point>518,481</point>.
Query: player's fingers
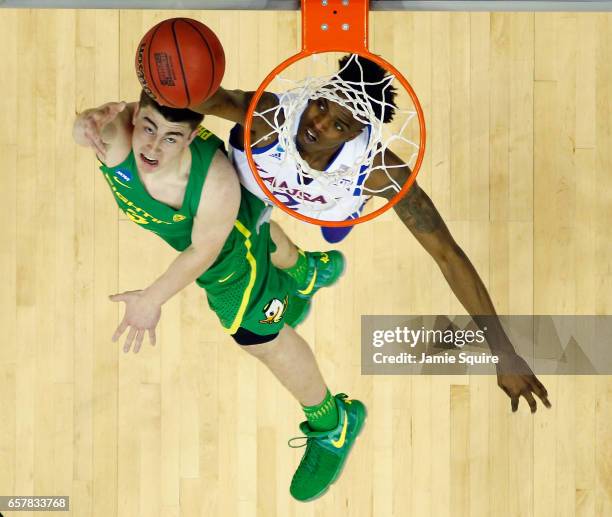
<point>120,330</point>
<point>514,402</point>
<point>531,401</point>
<point>96,142</point>
<point>102,116</point>
<point>138,342</point>
<point>110,111</point>
<point>119,106</point>
<point>98,147</point>
<point>130,338</point>
<point>540,391</point>
<point>96,116</point>
<point>152,337</point>
<point>93,137</point>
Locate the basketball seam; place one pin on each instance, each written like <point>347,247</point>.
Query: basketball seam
<point>178,52</point>
<point>158,92</point>
<point>212,58</point>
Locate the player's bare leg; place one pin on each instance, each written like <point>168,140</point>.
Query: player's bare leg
<point>292,362</point>
<point>286,253</point>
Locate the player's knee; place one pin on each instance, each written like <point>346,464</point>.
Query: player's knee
<point>275,229</point>
<point>245,337</point>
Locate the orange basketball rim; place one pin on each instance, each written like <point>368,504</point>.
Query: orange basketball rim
<point>335,26</point>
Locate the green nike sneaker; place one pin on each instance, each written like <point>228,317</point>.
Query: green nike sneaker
<point>324,269</point>
<point>326,451</point>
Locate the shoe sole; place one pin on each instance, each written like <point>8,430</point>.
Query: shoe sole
<point>341,467</point>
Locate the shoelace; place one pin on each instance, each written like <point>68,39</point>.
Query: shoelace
<point>297,438</point>
<point>342,396</point>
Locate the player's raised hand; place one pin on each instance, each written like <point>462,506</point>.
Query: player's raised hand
<point>517,380</point>
<point>141,315</point>
<point>88,126</point>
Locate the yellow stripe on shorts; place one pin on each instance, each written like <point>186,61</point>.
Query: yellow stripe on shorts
<point>247,292</point>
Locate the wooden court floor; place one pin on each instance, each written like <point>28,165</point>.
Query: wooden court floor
<point>519,163</point>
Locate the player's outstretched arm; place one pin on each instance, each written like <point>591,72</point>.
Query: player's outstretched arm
<point>106,129</point>
<point>213,223</point>
<point>233,105</point>
<point>418,213</point>
<point>228,104</point>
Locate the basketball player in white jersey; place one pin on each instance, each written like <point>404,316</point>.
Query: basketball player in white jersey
<point>328,138</point>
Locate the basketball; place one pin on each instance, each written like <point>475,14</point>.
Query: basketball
<point>180,62</point>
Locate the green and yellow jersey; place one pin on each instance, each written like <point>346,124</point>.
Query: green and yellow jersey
<point>242,284</point>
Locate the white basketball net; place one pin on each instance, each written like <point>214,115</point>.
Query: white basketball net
<point>353,96</point>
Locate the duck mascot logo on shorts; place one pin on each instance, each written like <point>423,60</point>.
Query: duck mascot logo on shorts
<point>274,310</point>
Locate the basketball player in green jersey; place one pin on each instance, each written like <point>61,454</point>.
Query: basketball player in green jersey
<point>172,177</point>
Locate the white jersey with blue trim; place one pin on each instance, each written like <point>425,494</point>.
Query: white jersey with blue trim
<point>340,200</point>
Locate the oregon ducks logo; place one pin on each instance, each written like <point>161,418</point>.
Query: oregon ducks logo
<point>274,310</point>
<point>177,218</point>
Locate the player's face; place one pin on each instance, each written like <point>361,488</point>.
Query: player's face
<point>326,125</point>
<point>156,141</point>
